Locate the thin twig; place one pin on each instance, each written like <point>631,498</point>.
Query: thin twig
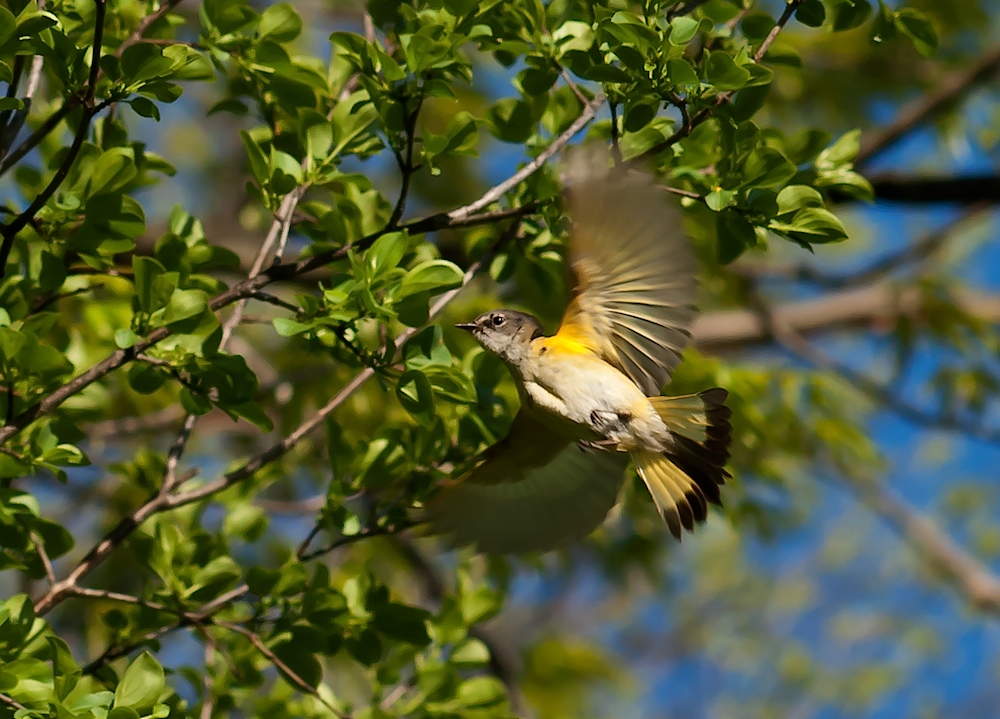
<point>495,193</point>
<point>405,162</point>
<point>11,702</point>
<point>300,683</point>
<point>197,617</point>
<point>50,573</point>
<point>144,25</point>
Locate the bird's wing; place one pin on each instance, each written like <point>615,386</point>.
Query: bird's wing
<point>532,491</point>
<point>634,269</point>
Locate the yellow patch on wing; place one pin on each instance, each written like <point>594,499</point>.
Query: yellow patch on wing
<point>564,343</point>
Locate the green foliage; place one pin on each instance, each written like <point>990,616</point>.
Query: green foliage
<point>116,313</point>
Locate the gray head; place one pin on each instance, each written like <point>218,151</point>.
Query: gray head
<point>505,333</point>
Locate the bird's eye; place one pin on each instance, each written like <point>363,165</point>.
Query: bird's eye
<point>497,320</point>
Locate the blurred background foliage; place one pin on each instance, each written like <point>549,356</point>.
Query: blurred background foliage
<point>212,518</point>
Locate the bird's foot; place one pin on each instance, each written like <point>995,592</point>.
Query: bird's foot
<point>599,445</point>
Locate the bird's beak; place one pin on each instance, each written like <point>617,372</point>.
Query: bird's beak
<point>467,326</point>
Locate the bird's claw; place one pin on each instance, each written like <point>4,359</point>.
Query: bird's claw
<point>600,445</point>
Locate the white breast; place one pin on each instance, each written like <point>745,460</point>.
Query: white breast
<point>574,387</point>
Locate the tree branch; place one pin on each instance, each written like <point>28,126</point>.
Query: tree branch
<point>974,580</point>
<point>732,330</point>
<point>926,107</point>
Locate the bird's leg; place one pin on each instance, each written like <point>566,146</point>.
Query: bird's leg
<point>610,425</point>
<point>600,445</point>
<point>607,422</point>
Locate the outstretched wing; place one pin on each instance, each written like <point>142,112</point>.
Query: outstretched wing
<point>532,491</point>
<point>634,268</point>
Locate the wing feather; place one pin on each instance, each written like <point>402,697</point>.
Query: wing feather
<point>634,269</point>
<point>532,491</point>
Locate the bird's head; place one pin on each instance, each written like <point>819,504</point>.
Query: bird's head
<point>505,333</point>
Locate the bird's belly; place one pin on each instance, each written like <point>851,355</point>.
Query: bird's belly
<point>591,400</point>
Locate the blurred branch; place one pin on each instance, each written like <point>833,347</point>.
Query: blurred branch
<point>964,189</point>
<point>917,252</point>
<point>732,330</point>
<point>787,336</point>
<point>926,107</point>
<point>977,583</point>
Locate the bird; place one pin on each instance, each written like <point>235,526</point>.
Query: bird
<point>590,395</point>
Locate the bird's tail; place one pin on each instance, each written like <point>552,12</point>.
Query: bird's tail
<point>685,479</point>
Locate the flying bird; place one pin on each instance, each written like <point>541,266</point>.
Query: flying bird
<point>590,394</point>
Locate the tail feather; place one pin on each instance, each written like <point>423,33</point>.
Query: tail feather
<point>687,478</point>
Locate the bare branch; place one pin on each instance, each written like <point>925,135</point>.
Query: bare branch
<point>798,345</point>
<point>732,330</point>
<point>50,573</point>
<point>926,107</point>
<point>919,252</point>
<point>973,579</point>
<point>495,193</point>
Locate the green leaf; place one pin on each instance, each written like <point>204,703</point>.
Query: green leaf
<point>682,30</point>
<point>735,235</point>
<point>387,252</point>
<point>682,73</point>
<point>305,664</point>
<point>430,276</point>
<point>289,328</point>
<point>470,653</point>
<point>402,622</point>
<point>918,27</point>
<point>767,167</point>
<point>849,14</point>
<point>113,170</point>
<point>843,150</point>
<point>145,107</point>
<point>723,72</point>
<point>185,304</point>
<point>415,393</point>
<point>811,225</point>
<point>719,199</point>
<point>811,13</point>
<point>145,270</point>
<point>141,684</point>
<point>481,692</point>
<point>125,338</point>
<point>259,165</point>
<point>795,197</point>
<point>280,23</point>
